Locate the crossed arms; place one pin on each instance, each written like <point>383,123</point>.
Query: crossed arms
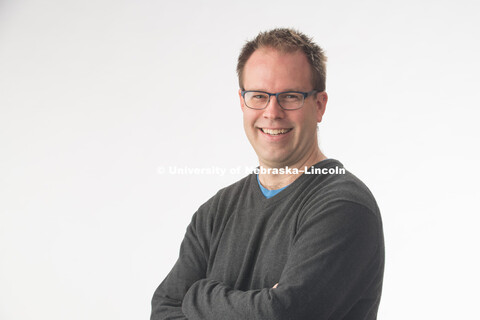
<point>334,265</point>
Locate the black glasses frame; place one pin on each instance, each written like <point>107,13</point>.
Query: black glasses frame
<point>305,95</point>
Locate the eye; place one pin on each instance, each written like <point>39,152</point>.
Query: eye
<point>259,96</point>
<point>291,97</point>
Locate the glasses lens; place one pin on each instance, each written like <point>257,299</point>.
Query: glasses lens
<point>256,100</point>
<point>290,100</point>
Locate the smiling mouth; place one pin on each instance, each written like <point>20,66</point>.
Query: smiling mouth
<point>275,132</point>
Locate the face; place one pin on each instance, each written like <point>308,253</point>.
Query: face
<point>282,137</point>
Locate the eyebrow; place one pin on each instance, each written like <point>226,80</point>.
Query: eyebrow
<point>287,90</point>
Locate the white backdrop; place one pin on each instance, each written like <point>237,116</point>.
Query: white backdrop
<point>97,96</point>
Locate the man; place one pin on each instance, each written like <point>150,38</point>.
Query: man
<point>303,238</point>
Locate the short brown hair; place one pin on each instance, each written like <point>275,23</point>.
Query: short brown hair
<point>287,41</point>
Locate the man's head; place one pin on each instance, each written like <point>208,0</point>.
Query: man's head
<point>282,137</point>
<point>287,41</point>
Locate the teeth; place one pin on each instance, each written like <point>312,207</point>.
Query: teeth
<point>275,131</point>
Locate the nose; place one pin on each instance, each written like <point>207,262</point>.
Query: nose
<point>273,109</point>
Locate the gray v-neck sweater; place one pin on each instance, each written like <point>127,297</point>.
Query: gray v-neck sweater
<point>320,239</point>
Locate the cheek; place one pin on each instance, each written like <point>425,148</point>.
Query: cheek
<point>246,120</point>
<point>310,118</point>
<point>306,122</point>
<point>248,125</point>
<point>249,119</point>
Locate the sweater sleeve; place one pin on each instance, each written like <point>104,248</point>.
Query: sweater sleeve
<point>335,257</point>
<point>190,267</point>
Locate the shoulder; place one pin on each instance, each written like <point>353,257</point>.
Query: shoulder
<point>338,200</point>
<point>341,204</point>
<point>227,200</point>
<point>339,186</point>
<point>236,188</point>
<point>233,192</point>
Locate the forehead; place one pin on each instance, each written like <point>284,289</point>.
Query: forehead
<point>270,69</point>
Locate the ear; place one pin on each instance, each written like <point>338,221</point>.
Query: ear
<point>241,99</point>
<point>321,103</point>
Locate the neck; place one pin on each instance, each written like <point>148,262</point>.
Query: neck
<point>276,181</point>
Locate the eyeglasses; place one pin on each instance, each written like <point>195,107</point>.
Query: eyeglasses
<point>288,100</point>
